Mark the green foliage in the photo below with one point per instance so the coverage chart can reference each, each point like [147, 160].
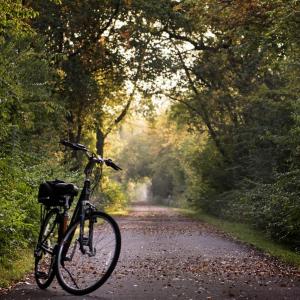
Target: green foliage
[21, 174]
[13, 269]
[27, 109]
[25, 84]
[151, 153]
[13, 17]
[47, 92]
[113, 198]
[272, 207]
[241, 88]
[19, 208]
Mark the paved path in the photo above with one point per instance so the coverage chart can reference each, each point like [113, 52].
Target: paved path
[168, 256]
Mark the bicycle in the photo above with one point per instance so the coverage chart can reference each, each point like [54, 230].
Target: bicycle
[83, 252]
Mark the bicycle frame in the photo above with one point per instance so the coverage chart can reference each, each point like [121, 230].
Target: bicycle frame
[80, 209]
[83, 203]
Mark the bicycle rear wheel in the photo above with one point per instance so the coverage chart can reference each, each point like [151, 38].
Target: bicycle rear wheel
[44, 253]
[80, 272]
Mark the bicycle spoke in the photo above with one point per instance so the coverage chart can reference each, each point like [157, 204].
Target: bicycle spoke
[74, 249]
[72, 278]
[103, 247]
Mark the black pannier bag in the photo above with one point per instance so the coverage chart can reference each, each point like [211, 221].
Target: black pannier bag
[56, 192]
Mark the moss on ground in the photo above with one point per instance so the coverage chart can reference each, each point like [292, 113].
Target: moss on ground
[14, 269]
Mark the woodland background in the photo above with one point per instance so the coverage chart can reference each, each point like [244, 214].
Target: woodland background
[199, 100]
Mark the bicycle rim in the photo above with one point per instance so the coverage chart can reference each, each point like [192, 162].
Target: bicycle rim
[81, 273]
[45, 251]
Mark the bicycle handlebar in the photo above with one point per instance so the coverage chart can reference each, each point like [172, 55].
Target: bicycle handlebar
[74, 146]
[91, 155]
[111, 164]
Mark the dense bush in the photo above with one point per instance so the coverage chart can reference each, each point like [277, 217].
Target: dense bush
[21, 175]
[113, 198]
[248, 191]
[18, 206]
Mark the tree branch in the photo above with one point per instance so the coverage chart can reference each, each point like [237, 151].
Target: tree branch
[185, 103]
[198, 45]
[203, 113]
[99, 34]
[127, 106]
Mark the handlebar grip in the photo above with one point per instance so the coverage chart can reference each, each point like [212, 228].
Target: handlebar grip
[111, 164]
[73, 146]
[66, 143]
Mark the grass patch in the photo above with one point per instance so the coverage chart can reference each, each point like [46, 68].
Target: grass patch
[120, 212]
[14, 270]
[248, 235]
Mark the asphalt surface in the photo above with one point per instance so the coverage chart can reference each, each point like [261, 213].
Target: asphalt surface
[168, 256]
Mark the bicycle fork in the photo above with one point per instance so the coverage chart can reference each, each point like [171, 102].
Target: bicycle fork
[83, 240]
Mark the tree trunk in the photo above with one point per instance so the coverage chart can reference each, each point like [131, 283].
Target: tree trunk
[100, 151]
[100, 140]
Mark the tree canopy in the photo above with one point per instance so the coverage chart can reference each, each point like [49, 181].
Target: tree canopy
[225, 139]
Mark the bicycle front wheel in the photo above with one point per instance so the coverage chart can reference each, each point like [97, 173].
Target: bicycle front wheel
[83, 266]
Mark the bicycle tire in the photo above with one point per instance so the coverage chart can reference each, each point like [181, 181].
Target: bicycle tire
[44, 270]
[98, 267]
